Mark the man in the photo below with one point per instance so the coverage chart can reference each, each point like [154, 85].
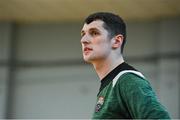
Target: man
[124, 92]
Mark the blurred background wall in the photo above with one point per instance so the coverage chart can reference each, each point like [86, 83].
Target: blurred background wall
[42, 73]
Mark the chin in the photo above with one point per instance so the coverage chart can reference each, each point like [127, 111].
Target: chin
[86, 59]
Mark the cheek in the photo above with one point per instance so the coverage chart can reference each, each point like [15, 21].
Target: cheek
[101, 41]
[102, 46]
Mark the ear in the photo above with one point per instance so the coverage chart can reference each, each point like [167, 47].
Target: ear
[117, 41]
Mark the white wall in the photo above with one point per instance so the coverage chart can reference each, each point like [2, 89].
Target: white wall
[169, 68]
[5, 36]
[59, 92]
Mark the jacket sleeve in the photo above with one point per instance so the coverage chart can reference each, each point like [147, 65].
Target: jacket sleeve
[139, 98]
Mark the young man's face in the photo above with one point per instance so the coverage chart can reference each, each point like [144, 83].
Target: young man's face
[95, 41]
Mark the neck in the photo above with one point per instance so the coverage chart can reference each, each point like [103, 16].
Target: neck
[105, 66]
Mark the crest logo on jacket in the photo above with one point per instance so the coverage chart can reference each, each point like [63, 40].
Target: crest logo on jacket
[99, 104]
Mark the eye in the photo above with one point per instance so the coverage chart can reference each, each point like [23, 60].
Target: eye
[82, 34]
[94, 33]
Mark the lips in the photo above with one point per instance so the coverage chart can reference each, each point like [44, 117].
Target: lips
[87, 50]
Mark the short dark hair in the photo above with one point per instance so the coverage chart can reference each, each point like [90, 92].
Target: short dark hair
[114, 24]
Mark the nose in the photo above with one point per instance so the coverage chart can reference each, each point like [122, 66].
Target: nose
[85, 39]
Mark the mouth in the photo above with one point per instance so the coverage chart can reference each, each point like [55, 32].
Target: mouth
[87, 50]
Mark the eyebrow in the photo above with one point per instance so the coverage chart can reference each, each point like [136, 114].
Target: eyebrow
[91, 29]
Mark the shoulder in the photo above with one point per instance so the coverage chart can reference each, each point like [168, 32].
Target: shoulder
[132, 78]
[129, 77]
[133, 82]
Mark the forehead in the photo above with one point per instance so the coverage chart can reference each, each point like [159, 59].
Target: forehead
[98, 24]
